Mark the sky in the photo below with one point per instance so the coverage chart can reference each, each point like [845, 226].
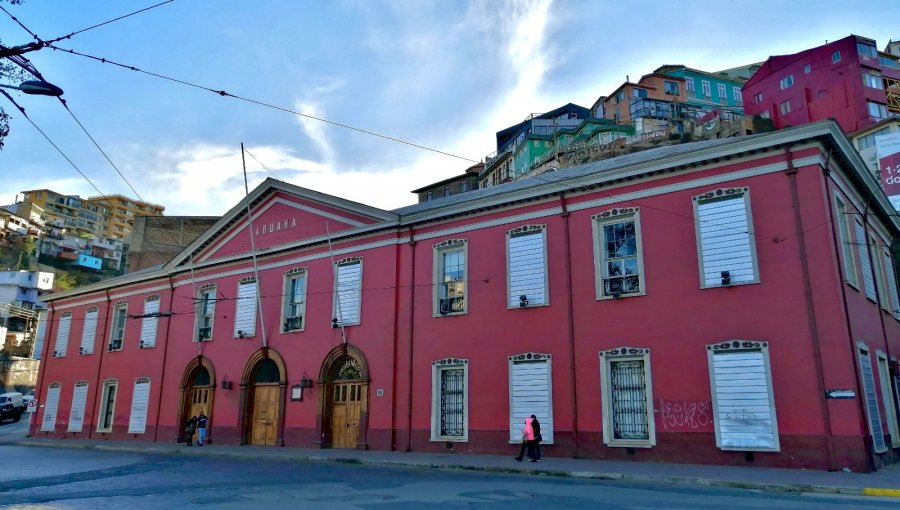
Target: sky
[446, 75]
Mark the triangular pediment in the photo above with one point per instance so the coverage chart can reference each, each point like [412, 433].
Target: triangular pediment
[281, 215]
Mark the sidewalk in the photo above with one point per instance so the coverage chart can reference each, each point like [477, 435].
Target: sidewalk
[884, 483]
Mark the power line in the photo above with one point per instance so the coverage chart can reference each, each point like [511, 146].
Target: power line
[68, 36]
[262, 165]
[223, 93]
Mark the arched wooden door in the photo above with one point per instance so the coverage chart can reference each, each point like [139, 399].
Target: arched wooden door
[348, 394]
[265, 403]
[198, 396]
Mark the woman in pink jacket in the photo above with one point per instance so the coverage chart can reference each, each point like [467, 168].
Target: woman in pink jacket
[527, 441]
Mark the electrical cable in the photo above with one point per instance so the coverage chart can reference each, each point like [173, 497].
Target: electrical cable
[223, 93]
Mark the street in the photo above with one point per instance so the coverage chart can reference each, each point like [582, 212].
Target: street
[67, 478]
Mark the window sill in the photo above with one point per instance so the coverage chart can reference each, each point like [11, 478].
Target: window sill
[621, 296]
[631, 444]
[517, 307]
[736, 284]
[454, 314]
[852, 285]
[449, 439]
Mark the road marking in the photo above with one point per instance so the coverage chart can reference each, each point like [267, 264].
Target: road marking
[891, 493]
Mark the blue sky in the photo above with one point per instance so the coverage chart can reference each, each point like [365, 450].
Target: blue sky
[442, 74]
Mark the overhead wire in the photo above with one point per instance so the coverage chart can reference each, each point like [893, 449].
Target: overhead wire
[224, 93]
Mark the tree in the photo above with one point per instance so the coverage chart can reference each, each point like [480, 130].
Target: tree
[29, 247]
[8, 72]
[65, 282]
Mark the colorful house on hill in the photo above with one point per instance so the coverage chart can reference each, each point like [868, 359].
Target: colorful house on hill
[847, 80]
[652, 96]
[709, 91]
[734, 298]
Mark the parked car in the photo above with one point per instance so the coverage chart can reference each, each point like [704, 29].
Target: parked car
[12, 405]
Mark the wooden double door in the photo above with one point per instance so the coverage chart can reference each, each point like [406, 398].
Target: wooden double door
[266, 409]
[348, 401]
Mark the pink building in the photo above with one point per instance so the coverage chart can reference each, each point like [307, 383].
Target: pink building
[727, 302]
[847, 80]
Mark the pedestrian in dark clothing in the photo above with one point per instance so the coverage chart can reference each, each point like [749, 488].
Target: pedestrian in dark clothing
[189, 430]
[536, 426]
[202, 420]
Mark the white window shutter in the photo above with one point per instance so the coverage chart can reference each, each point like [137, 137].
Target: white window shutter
[48, 423]
[79, 400]
[349, 278]
[527, 273]
[865, 262]
[894, 306]
[871, 401]
[62, 335]
[137, 424]
[89, 333]
[530, 394]
[743, 402]
[245, 316]
[149, 324]
[726, 242]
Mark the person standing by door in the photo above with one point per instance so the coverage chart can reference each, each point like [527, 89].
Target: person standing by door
[189, 428]
[202, 421]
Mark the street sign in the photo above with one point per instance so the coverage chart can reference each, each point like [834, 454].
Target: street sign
[840, 394]
[32, 406]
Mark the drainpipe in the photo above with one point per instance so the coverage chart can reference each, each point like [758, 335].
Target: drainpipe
[99, 394]
[570, 323]
[46, 351]
[839, 252]
[396, 343]
[162, 375]
[791, 173]
[412, 319]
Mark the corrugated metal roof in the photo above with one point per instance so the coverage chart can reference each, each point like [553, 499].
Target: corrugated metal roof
[594, 167]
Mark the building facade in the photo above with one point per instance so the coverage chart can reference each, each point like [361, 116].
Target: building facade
[121, 213]
[729, 301]
[455, 185]
[848, 80]
[69, 212]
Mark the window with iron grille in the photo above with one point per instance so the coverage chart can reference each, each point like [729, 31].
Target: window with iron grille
[627, 397]
[450, 401]
[450, 277]
[618, 253]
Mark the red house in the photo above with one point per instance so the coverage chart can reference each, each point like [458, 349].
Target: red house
[847, 80]
[731, 301]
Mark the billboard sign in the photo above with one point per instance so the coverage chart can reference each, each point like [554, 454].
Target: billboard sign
[887, 149]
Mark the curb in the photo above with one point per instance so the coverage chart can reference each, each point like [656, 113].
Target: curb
[782, 488]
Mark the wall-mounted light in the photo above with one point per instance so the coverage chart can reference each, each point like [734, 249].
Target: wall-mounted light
[297, 389]
[523, 301]
[226, 384]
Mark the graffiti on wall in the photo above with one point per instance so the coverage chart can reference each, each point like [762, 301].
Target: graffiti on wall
[684, 415]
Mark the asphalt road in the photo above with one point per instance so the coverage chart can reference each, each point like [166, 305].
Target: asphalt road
[35, 478]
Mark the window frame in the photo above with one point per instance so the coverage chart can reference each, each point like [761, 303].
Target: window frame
[786, 82]
[689, 84]
[337, 309]
[206, 309]
[722, 90]
[600, 220]
[437, 368]
[873, 413]
[512, 302]
[784, 107]
[706, 88]
[240, 304]
[150, 323]
[845, 237]
[735, 347]
[135, 408]
[546, 419]
[291, 275]
[722, 194]
[107, 408]
[737, 94]
[92, 318]
[607, 358]
[120, 310]
[836, 56]
[63, 324]
[438, 250]
[887, 397]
